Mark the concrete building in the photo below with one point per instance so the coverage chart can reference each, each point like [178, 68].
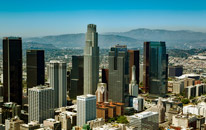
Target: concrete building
[133, 86]
[41, 103]
[30, 126]
[13, 124]
[12, 69]
[52, 124]
[96, 123]
[189, 82]
[178, 87]
[161, 110]
[91, 60]
[58, 82]
[105, 76]
[144, 121]
[86, 109]
[102, 93]
[76, 77]
[155, 68]
[187, 121]
[118, 73]
[67, 119]
[35, 68]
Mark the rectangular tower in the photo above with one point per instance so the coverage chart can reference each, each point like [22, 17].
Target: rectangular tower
[58, 82]
[91, 60]
[86, 109]
[77, 80]
[155, 68]
[41, 103]
[12, 69]
[118, 74]
[35, 68]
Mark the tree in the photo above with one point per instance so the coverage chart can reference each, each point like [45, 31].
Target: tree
[122, 119]
[185, 101]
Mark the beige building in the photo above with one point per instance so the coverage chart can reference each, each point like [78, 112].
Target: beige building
[13, 124]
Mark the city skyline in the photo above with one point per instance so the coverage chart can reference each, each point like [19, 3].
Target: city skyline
[55, 18]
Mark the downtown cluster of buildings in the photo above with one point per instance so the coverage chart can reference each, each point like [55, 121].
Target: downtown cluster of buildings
[87, 97]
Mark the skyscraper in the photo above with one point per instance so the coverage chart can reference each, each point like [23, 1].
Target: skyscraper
[118, 73]
[86, 109]
[35, 68]
[58, 82]
[105, 76]
[77, 80]
[133, 86]
[134, 60]
[41, 103]
[155, 68]
[12, 69]
[91, 60]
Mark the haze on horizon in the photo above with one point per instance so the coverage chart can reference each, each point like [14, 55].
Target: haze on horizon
[40, 18]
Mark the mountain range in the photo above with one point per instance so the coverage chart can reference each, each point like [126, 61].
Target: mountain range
[181, 39]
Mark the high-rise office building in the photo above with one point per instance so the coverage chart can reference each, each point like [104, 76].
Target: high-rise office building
[155, 68]
[76, 77]
[133, 86]
[118, 73]
[12, 69]
[86, 109]
[134, 60]
[35, 68]
[91, 60]
[175, 71]
[58, 82]
[41, 103]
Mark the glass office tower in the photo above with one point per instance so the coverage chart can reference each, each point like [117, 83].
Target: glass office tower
[155, 68]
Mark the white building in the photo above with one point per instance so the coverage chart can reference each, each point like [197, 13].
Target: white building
[86, 109]
[138, 104]
[133, 86]
[144, 121]
[58, 81]
[41, 103]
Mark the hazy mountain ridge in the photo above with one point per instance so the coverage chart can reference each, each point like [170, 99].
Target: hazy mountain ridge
[181, 39]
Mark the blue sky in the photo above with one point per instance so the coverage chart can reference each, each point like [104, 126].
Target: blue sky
[51, 17]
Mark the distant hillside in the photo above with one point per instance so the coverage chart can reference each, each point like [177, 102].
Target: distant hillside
[78, 40]
[182, 39]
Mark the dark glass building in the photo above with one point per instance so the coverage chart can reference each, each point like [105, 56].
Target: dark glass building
[134, 60]
[175, 71]
[105, 76]
[76, 77]
[12, 69]
[155, 68]
[118, 74]
[35, 68]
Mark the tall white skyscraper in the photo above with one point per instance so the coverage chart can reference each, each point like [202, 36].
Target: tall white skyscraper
[58, 81]
[91, 60]
[133, 86]
[41, 103]
[86, 109]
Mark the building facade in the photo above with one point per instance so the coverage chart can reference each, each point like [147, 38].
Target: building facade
[118, 73]
[58, 81]
[133, 86]
[12, 69]
[35, 68]
[91, 60]
[86, 109]
[155, 65]
[41, 103]
[134, 60]
[76, 77]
